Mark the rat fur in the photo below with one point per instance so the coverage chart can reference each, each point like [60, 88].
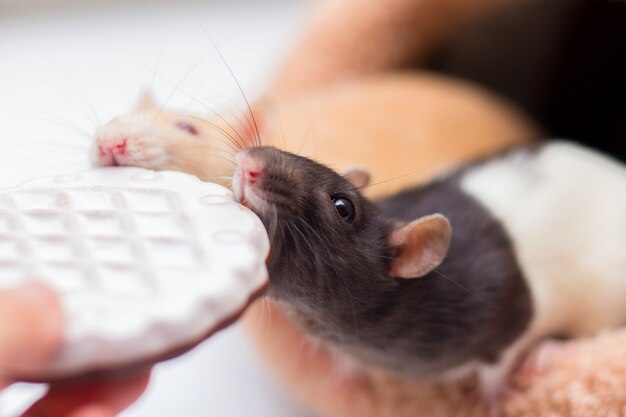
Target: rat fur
[495, 289]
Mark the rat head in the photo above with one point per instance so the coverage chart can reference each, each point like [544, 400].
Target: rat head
[155, 138]
[331, 247]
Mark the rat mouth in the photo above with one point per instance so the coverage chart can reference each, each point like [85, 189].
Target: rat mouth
[107, 160]
[253, 197]
[243, 193]
[115, 162]
[250, 199]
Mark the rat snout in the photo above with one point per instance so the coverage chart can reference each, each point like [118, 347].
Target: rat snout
[248, 176]
[112, 145]
[109, 148]
[266, 183]
[132, 141]
[250, 169]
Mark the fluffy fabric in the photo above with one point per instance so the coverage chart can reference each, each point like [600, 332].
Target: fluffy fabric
[580, 378]
[349, 38]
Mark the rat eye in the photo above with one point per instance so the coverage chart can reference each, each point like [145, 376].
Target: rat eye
[345, 208]
[187, 127]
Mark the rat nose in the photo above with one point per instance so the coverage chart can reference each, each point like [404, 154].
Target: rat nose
[251, 169]
[252, 175]
[112, 146]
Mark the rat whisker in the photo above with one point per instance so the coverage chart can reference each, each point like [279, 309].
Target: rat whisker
[52, 118]
[34, 147]
[237, 144]
[233, 147]
[156, 66]
[273, 223]
[225, 159]
[268, 311]
[92, 114]
[182, 80]
[184, 110]
[204, 161]
[53, 143]
[232, 73]
[227, 154]
[346, 289]
[229, 179]
[60, 160]
[57, 167]
[237, 140]
[373, 184]
[311, 252]
[304, 238]
[294, 239]
[318, 260]
[264, 311]
[240, 118]
[317, 235]
[280, 139]
[191, 97]
[344, 282]
[307, 136]
[459, 285]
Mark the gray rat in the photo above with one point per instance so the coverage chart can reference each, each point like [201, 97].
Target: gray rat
[461, 275]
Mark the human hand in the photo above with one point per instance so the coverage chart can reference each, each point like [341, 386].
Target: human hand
[31, 329]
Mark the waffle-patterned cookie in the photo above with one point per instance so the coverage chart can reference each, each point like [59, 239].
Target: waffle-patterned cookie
[147, 264]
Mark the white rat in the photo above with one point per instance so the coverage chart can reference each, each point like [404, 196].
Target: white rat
[159, 139]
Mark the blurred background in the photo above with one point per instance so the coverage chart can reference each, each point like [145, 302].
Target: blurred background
[67, 66]
[560, 61]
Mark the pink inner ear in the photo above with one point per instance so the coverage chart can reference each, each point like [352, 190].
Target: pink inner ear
[357, 176]
[146, 101]
[421, 245]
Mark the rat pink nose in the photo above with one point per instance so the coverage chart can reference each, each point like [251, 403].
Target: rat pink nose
[251, 170]
[252, 175]
[112, 146]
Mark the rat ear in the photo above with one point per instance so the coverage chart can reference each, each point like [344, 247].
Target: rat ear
[356, 175]
[146, 101]
[421, 246]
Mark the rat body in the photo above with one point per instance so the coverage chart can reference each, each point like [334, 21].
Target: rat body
[457, 276]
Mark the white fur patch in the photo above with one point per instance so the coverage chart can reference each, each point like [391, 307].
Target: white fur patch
[565, 209]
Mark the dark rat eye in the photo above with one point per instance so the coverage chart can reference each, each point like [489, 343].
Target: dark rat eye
[187, 127]
[345, 208]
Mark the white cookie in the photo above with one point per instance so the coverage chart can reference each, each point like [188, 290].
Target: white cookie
[146, 264]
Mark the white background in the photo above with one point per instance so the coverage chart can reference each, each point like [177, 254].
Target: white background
[67, 66]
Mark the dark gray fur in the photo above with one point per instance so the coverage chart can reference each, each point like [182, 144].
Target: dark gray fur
[332, 277]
